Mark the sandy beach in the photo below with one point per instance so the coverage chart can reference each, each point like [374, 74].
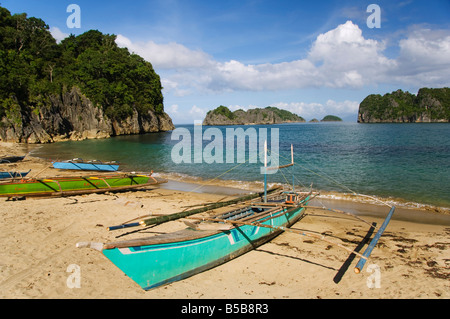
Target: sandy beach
[38, 238]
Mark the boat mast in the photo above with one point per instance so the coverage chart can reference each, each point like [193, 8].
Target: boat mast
[277, 167]
[265, 171]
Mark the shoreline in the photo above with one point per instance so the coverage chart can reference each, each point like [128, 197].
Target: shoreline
[183, 182]
[39, 238]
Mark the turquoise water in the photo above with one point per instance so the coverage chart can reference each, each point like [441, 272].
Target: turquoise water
[405, 161]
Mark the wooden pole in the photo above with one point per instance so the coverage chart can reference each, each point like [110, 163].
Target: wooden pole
[376, 238]
[265, 171]
[166, 218]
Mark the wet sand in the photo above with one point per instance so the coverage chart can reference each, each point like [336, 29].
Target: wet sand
[38, 238]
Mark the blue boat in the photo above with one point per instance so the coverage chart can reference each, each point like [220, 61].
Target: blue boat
[8, 175]
[79, 164]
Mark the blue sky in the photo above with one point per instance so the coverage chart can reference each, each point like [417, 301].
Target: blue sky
[310, 57]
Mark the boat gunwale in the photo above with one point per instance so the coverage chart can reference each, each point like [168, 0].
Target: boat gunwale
[199, 234]
[73, 178]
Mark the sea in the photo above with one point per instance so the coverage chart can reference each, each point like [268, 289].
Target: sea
[395, 163]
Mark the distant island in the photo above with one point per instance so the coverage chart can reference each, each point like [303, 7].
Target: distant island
[331, 118]
[269, 115]
[429, 105]
[84, 87]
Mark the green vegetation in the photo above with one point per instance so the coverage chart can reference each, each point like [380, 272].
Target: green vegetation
[331, 118]
[428, 105]
[285, 115]
[269, 115]
[223, 110]
[34, 67]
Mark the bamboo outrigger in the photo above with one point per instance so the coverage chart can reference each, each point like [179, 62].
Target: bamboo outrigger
[210, 240]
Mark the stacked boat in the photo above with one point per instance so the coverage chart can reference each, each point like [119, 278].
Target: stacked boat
[75, 185]
[11, 174]
[94, 165]
[15, 185]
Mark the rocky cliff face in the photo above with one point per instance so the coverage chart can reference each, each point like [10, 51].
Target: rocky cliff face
[269, 115]
[429, 105]
[72, 116]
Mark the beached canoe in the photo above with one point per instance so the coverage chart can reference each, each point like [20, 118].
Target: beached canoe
[68, 186]
[11, 159]
[162, 259]
[214, 238]
[7, 175]
[79, 164]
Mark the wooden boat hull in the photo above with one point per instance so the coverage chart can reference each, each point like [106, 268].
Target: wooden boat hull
[86, 166]
[67, 186]
[170, 259]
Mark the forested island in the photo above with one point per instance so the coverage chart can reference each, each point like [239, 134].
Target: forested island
[331, 118]
[269, 115]
[84, 87]
[429, 105]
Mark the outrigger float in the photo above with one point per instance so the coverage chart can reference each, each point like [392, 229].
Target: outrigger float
[212, 238]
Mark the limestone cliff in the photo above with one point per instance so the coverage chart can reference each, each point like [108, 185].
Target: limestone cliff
[269, 115]
[72, 116]
[429, 105]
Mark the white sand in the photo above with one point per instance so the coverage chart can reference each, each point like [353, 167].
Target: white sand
[38, 240]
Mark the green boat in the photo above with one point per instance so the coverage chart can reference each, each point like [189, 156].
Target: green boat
[77, 185]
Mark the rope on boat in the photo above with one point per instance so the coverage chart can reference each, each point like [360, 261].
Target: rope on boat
[325, 176]
[281, 228]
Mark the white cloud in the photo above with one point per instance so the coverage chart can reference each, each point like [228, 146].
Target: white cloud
[166, 56]
[424, 57]
[197, 113]
[339, 58]
[319, 110]
[58, 34]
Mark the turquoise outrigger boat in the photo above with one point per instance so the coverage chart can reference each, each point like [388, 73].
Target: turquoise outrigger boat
[209, 240]
[159, 260]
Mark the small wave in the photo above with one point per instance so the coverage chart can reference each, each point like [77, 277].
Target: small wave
[377, 200]
[258, 186]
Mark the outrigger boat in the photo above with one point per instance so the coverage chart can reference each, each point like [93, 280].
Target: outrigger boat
[94, 165]
[11, 175]
[11, 159]
[209, 240]
[69, 186]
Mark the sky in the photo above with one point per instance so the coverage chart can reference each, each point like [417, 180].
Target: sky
[312, 58]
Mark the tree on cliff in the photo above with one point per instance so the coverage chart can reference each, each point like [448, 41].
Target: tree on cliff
[33, 67]
[429, 105]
